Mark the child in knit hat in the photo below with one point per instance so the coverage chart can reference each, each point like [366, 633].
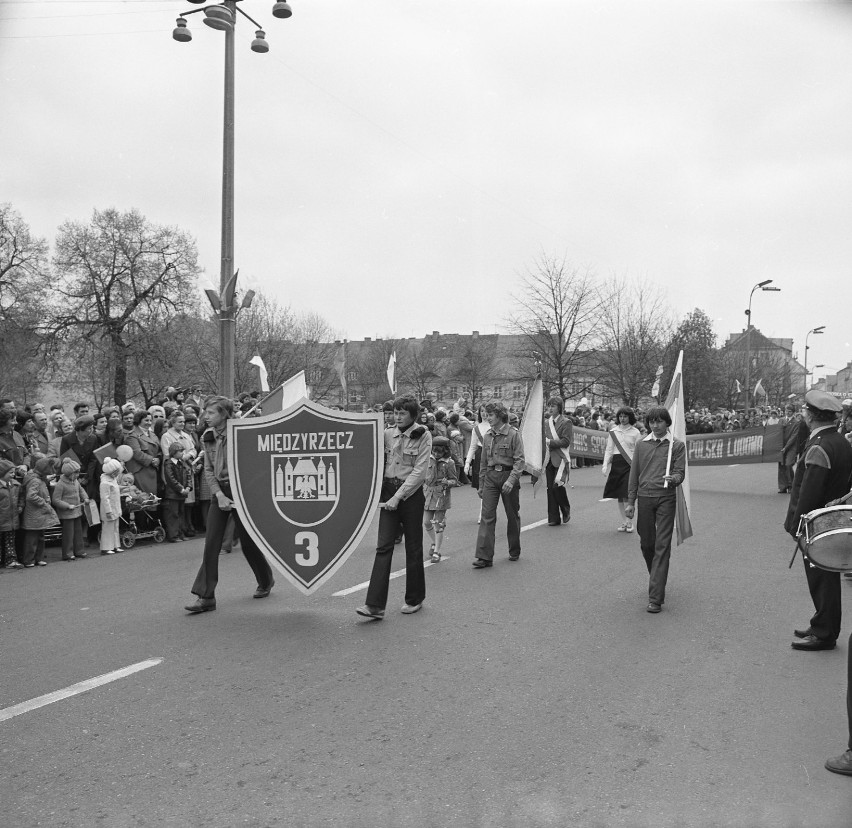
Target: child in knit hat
[38, 513]
[10, 510]
[110, 506]
[68, 499]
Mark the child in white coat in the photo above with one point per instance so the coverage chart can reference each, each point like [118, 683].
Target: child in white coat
[110, 507]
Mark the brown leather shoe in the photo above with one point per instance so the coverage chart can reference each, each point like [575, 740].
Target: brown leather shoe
[652, 607]
[263, 592]
[840, 764]
[201, 605]
[811, 642]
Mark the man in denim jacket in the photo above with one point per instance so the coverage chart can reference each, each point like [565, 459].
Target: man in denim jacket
[500, 468]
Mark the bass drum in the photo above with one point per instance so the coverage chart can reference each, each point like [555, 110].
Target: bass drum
[825, 538]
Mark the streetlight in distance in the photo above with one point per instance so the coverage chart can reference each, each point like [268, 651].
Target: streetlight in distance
[223, 17]
[759, 286]
[819, 330]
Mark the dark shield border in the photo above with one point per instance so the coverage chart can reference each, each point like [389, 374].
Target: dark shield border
[331, 416]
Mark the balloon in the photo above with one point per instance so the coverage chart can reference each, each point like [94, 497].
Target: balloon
[124, 453]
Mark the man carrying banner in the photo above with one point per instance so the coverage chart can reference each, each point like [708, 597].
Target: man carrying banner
[558, 432]
[658, 468]
[215, 441]
[408, 447]
[500, 468]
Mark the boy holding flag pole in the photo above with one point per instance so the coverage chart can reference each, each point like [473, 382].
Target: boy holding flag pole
[659, 481]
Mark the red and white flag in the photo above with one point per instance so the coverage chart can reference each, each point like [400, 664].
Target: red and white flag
[532, 435]
[674, 404]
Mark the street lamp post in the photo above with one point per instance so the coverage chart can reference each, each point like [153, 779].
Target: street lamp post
[223, 16]
[759, 286]
[819, 330]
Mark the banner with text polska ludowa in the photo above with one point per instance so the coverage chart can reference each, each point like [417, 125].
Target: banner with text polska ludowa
[754, 445]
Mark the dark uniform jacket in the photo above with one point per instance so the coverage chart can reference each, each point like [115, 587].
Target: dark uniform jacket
[823, 474]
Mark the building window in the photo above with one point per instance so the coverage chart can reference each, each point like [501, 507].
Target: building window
[517, 391]
[351, 376]
[454, 392]
[353, 397]
[498, 391]
[315, 376]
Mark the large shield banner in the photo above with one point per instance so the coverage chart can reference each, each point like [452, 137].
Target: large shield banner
[306, 483]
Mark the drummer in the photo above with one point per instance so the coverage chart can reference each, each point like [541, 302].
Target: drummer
[822, 475]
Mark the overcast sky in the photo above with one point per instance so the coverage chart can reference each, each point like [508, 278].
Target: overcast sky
[400, 163]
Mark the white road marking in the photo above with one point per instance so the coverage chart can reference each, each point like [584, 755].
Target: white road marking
[399, 572]
[75, 689]
[393, 575]
[534, 525]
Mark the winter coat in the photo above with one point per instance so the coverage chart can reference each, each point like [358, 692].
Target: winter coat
[110, 498]
[68, 498]
[177, 478]
[146, 449]
[38, 513]
[440, 478]
[11, 504]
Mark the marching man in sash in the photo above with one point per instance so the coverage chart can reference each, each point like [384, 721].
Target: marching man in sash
[558, 433]
[618, 456]
[408, 447]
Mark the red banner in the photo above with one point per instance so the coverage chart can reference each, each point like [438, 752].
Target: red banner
[754, 445]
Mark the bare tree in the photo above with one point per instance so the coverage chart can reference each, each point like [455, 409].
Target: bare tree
[474, 365]
[24, 276]
[114, 276]
[421, 365]
[635, 327]
[558, 309]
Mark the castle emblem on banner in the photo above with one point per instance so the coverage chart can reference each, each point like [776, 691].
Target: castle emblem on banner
[305, 478]
[305, 487]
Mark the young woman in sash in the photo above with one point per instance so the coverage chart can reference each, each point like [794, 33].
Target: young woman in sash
[617, 459]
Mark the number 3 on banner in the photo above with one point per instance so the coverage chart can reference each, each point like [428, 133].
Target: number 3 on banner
[310, 557]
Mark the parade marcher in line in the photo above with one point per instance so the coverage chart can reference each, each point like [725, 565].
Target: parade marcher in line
[500, 468]
[558, 433]
[440, 478]
[408, 447]
[623, 437]
[215, 441]
[822, 475]
[68, 499]
[474, 452]
[655, 491]
[38, 513]
[110, 508]
[11, 505]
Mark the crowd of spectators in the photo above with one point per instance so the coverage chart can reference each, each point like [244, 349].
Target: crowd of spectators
[164, 460]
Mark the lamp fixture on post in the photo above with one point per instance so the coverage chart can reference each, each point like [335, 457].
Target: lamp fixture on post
[819, 330]
[764, 285]
[223, 17]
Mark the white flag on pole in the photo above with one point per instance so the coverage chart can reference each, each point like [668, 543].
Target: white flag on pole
[674, 404]
[532, 434]
[264, 377]
[392, 373]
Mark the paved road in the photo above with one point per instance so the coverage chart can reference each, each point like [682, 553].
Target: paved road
[537, 693]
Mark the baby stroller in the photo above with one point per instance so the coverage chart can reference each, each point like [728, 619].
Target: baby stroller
[139, 520]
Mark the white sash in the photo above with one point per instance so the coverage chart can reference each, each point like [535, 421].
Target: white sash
[565, 465]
